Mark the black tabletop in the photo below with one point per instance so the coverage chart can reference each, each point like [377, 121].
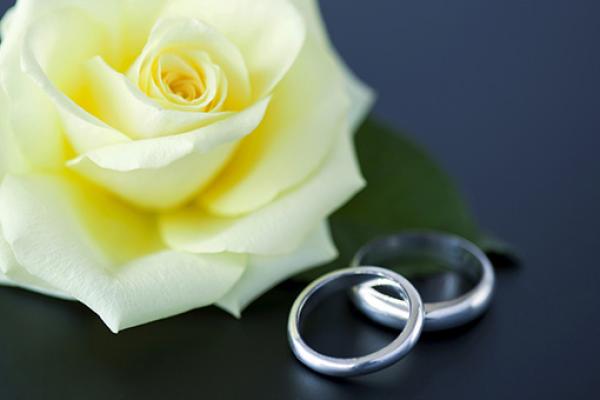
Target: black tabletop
[506, 94]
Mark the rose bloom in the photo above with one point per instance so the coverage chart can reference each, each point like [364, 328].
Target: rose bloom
[162, 155]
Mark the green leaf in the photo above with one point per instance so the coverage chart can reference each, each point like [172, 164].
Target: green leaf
[406, 190]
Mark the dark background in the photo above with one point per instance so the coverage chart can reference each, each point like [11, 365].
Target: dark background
[506, 94]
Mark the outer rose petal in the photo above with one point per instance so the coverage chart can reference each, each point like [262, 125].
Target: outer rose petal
[5, 281]
[278, 228]
[60, 233]
[128, 22]
[265, 272]
[84, 131]
[11, 158]
[23, 280]
[12, 274]
[269, 33]
[361, 96]
[35, 134]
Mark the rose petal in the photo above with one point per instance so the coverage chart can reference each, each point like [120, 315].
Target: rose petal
[7, 258]
[155, 173]
[278, 228]
[127, 23]
[264, 272]
[11, 157]
[6, 22]
[36, 134]
[361, 96]
[29, 282]
[12, 274]
[104, 254]
[268, 33]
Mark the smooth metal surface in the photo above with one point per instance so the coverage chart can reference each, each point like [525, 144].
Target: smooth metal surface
[454, 252]
[354, 366]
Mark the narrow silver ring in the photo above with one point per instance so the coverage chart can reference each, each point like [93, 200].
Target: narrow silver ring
[346, 278]
[454, 252]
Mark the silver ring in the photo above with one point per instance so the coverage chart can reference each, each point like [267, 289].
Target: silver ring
[346, 278]
[451, 251]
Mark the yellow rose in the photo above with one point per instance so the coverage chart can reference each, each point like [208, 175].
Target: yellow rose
[162, 155]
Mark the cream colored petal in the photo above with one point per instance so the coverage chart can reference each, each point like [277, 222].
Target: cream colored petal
[73, 237]
[61, 42]
[6, 22]
[278, 228]
[36, 134]
[5, 281]
[27, 12]
[117, 101]
[362, 97]
[84, 130]
[160, 152]
[33, 284]
[159, 188]
[264, 272]
[138, 19]
[7, 258]
[11, 156]
[12, 274]
[268, 33]
[165, 172]
[309, 108]
[184, 36]
[128, 22]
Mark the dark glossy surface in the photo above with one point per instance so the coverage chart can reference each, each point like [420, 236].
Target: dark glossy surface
[506, 95]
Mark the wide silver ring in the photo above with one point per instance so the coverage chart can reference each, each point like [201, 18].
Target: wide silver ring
[345, 367]
[453, 252]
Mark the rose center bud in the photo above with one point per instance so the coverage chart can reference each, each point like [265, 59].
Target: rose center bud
[187, 79]
[183, 86]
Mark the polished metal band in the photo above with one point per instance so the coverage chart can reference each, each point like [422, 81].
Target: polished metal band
[451, 251]
[358, 365]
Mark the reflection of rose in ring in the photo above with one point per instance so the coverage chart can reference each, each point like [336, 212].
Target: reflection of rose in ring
[162, 155]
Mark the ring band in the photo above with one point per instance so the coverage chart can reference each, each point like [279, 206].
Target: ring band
[350, 277]
[452, 251]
